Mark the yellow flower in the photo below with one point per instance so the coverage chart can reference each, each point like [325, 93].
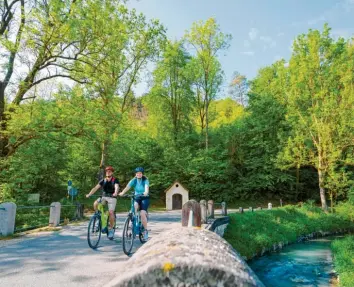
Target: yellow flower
[168, 266]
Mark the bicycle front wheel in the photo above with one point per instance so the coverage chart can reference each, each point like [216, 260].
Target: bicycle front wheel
[94, 231]
[128, 236]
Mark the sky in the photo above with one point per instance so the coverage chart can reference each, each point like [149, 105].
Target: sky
[262, 30]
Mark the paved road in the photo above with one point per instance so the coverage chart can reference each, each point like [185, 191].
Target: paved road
[64, 258]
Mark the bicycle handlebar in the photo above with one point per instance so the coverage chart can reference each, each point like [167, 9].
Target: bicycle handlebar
[136, 196]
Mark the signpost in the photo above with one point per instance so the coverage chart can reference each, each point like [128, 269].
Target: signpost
[72, 191]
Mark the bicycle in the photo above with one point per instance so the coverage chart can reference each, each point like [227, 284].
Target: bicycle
[132, 227]
[97, 225]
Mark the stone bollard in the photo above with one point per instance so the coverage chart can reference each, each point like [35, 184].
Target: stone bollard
[203, 211]
[281, 202]
[223, 208]
[211, 208]
[54, 217]
[191, 214]
[269, 205]
[251, 209]
[7, 218]
[240, 209]
[79, 211]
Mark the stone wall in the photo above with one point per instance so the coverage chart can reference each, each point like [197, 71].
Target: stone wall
[186, 257]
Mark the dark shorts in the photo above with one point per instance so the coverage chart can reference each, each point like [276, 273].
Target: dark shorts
[143, 203]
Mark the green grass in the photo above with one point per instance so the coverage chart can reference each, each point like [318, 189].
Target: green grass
[343, 250]
[257, 202]
[250, 232]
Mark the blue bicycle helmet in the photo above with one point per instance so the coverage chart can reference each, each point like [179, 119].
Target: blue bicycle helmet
[139, 169]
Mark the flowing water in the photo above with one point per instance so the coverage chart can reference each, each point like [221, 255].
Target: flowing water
[302, 264]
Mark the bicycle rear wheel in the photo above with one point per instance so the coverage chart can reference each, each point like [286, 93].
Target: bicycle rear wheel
[94, 231]
[128, 236]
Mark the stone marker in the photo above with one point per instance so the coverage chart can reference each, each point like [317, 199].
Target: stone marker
[7, 218]
[203, 211]
[54, 217]
[223, 208]
[193, 206]
[211, 208]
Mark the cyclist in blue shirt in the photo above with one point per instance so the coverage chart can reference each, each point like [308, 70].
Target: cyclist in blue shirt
[140, 183]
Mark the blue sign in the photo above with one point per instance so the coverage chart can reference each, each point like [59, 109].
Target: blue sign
[73, 191]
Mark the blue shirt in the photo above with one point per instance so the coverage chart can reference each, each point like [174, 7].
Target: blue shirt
[139, 185]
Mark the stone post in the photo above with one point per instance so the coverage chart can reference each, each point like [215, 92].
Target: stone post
[79, 211]
[7, 218]
[240, 209]
[191, 209]
[223, 208]
[203, 211]
[269, 205]
[211, 208]
[54, 217]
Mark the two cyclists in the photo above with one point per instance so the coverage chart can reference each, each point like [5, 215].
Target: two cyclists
[110, 186]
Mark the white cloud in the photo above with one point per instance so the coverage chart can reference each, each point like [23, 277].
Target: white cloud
[248, 53]
[269, 42]
[281, 34]
[246, 43]
[253, 33]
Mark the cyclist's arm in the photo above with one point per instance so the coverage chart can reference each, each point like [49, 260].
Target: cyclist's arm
[125, 190]
[97, 187]
[116, 189]
[146, 192]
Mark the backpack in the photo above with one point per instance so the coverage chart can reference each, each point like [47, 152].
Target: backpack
[113, 179]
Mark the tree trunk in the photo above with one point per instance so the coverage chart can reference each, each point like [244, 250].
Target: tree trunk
[321, 178]
[206, 125]
[297, 182]
[103, 159]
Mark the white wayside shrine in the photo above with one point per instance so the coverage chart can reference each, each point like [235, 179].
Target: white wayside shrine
[176, 196]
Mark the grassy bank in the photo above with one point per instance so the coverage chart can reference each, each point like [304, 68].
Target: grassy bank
[343, 251]
[251, 232]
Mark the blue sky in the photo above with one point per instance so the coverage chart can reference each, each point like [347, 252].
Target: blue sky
[262, 30]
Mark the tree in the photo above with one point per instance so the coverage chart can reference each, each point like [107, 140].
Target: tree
[238, 88]
[321, 99]
[207, 40]
[171, 95]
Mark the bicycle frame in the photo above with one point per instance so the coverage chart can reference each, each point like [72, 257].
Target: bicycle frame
[136, 219]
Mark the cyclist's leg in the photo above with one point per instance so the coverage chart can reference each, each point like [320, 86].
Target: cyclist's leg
[143, 213]
[97, 201]
[95, 204]
[112, 202]
[137, 205]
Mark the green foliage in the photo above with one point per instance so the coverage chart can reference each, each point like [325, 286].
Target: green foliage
[343, 250]
[295, 121]
[250, 232]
